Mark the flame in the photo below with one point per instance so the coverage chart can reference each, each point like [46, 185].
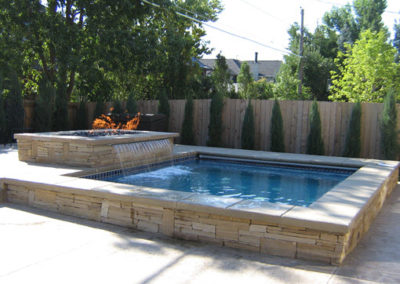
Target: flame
[105, 122]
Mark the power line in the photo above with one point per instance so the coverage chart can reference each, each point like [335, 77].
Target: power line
[263, 11]
[222, 30]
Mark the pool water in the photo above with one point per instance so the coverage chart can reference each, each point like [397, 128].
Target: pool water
[287, 185]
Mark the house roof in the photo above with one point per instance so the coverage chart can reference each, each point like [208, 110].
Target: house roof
[233, 65]
[266, 68]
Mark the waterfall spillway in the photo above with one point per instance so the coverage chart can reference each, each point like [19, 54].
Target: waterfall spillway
[143, 152]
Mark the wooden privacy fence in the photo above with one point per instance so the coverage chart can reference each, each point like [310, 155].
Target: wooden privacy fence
[335, 117]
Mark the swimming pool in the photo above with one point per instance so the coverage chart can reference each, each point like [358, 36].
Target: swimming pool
[277, 183]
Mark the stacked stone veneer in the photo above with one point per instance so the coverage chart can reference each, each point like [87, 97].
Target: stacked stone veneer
[90, 152]
[232, 228]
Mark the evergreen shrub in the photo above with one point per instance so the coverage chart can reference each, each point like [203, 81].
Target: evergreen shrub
[276, 133]
[315, 144]
[353, 138]
[389, 131]
[248, 130]
[187, 133]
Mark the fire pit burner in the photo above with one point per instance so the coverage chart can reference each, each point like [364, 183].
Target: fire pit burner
[99, 132]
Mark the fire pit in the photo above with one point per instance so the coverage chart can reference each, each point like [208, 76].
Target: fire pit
[109, 148]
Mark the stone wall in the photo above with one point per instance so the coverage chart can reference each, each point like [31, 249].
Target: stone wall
[226, 228]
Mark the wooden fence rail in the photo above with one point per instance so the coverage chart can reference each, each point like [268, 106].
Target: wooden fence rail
[335, 118]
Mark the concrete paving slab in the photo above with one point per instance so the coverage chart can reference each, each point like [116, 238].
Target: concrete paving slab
[45, 247]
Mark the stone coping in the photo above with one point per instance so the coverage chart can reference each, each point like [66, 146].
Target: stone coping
[335, 212]
[63, 136]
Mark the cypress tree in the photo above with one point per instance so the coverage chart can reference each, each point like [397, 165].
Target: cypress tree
[14, 106]
[60, 115]
[163, 104]
[276, 133]
[3, 121]
[187, 134]
[389, 127]
[117, 108]
[247, 137]
[215, 125]
[43, 111]
[353, 138]
[221, 80]
[81, 116]
[99, 109]
[315, 144]
[131, 105]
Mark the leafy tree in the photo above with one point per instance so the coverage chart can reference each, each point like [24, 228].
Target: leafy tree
[245, 80]
[353, 137]
[396, 40]
[131, 105]
[367, 71]
[276, 133]
[315, 144]
[96, 47]
[343, 22]
[390, 147]
[369, 14]
[248, 130]
[187, 133]
[81, 116]
[263, 90]
[221, 79]
[43, 107]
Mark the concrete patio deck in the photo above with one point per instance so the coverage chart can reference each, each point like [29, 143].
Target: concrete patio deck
[44, 247]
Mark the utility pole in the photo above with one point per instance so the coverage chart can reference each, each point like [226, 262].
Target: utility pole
[301, 52]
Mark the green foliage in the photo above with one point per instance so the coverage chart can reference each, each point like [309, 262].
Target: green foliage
[98, 47]
[248, 129]
[315, 144]
[353, 138]
[60, 114]
[263, 89]
[215, 126]
[245, 80]
[13, 105]
[43, 111]
[368, 70]
[396, 40]
[276, 134]
[131, 105]
[369, 14]
[81, 116]
[389, 132]
[187, 133]
[163, 104]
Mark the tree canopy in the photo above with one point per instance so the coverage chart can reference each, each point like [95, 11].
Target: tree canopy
[104, 49]
[367, 70]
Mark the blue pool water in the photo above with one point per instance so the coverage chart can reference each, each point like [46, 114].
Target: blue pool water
[295, 186]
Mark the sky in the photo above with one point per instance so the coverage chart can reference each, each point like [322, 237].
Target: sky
[267, 22]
